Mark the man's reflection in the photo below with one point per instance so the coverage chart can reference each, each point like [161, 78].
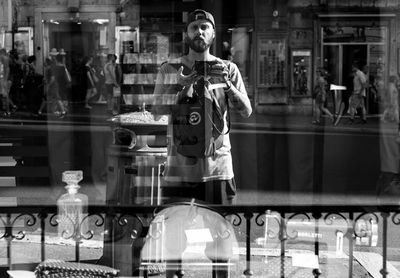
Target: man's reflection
[198, 166]
[199, 162]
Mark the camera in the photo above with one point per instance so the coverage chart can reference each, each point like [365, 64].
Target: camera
[204, 67]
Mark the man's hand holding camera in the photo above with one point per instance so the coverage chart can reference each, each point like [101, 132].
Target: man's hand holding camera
[186, 80]
[211, 69]
[184, 83]
[219, 70]
[203, 69]
[216, 69]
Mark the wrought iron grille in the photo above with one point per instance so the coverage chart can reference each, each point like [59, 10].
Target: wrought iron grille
[243, 218]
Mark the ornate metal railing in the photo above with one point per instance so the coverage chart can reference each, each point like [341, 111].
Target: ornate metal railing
[281, 226]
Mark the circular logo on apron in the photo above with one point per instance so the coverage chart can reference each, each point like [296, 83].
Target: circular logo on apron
[194, 118]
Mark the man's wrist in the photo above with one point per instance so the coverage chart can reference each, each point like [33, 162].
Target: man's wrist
[228, 87]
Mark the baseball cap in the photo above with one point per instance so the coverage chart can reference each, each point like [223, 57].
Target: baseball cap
[198, 15]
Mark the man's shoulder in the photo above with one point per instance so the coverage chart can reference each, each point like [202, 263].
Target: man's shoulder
[361, 73]
[230, 64]
[227, 62]
[172, 61]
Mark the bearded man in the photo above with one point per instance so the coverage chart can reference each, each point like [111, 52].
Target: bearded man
[209, 178]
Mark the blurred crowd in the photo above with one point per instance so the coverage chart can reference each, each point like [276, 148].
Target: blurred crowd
[51, 91]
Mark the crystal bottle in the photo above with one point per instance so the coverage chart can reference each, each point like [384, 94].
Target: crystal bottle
[72, 208]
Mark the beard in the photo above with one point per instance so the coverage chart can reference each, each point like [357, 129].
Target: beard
[198, 45]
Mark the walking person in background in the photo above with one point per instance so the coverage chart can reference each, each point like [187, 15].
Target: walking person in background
[117, 94]
[320, 97]
[359, 92]
[16, 77]
[53, 54]
[5, 82]
[68, 81]
[110, 80]
[51, 96]
[63, 81]
[3, 76]
[373, 96]
[226, 51]
[344, 104]
[89, 81]
[24, 92]
[33, 86]
[391, 102]
[98, 66]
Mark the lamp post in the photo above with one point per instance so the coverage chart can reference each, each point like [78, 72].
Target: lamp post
[14, 23]
[12, 20]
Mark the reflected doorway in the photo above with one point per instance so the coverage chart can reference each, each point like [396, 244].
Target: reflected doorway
[338, 60]
[355, 40]
[78, 39]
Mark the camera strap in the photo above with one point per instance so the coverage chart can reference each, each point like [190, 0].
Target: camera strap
[216, 86]
[217, 108]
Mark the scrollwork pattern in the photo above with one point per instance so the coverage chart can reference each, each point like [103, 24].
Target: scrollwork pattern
[271, 233]
[396, 218]
[31, 219]
[303, 217]
[53, 220]
[87, 235]
[234, 218]
[30, 222]
[330, 218]
[360, 224]
[259, 220]
[71, 233]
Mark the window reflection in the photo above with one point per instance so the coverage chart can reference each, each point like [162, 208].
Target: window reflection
[80, 88]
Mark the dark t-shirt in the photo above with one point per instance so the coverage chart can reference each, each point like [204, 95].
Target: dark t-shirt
[86, 82]
[52, 92]
[61, 79]
[16, 74]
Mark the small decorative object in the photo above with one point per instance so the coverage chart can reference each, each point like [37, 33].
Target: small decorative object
[72, 207]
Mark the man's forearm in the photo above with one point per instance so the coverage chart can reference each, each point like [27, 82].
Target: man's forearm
[240, 101]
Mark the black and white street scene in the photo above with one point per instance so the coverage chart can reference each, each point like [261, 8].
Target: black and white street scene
[199, 138]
